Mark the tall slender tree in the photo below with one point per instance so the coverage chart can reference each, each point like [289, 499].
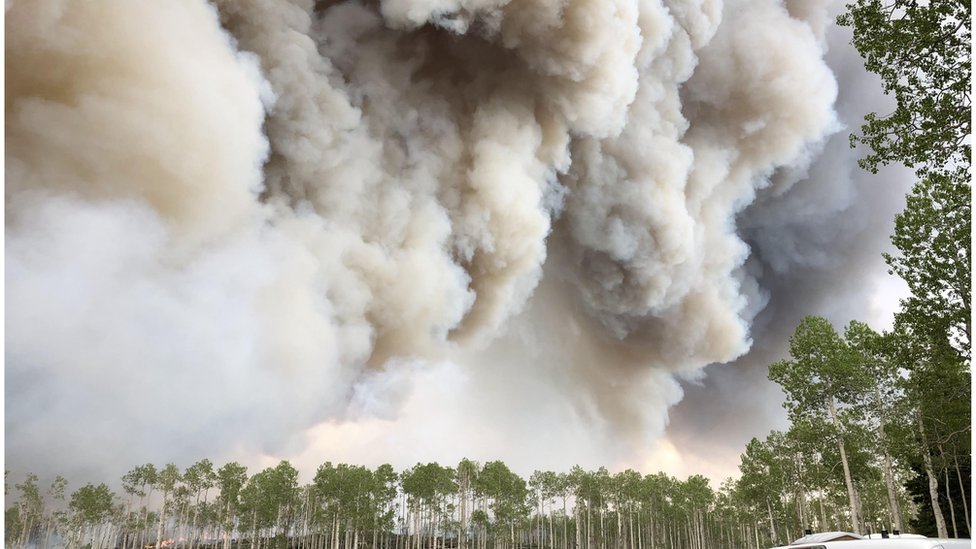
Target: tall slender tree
[230, 480]
[31, 509]
[822, 375]
[91, 508]
[167, 481]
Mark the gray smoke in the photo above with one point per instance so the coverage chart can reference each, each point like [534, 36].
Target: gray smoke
[395, 230]
[816, 250]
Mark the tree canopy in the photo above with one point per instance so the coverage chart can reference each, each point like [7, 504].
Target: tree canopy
[921, 51]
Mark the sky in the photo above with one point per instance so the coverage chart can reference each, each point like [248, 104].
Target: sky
[551, 233]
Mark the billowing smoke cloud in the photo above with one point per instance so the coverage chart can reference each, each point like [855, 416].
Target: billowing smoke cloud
[305, 229]
[815, 250]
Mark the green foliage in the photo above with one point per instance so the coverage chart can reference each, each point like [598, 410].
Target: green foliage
[30, 503]
[12, 526]
[429, 482]
[352, 493]
[697, 492]
[230, 480]
[270, 496]
[56, 491]
[933, 238]
[627, 510]
[506, 490]
[921, 50]
[875, 393]
[167, 477]
[200, 476]
[924, 523]
[137, 480]
[822, 369]
[92, 505]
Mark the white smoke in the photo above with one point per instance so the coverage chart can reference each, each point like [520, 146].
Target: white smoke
[228, 223]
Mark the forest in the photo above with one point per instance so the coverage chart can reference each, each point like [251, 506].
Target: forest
[789, 482]
[880, 433]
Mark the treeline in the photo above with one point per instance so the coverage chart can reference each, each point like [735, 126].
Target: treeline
[429, 506]
[866, 430]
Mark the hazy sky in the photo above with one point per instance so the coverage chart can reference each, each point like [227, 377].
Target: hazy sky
[551, 233]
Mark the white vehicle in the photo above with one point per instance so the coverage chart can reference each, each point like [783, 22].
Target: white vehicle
[847, 540]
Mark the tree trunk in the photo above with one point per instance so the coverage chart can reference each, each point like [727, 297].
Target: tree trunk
[485, 532]
[933, 480]
[589, 525]
[801, 506]
[651, 521]
[226, 525]
[511, 527]
[335, 530]
[952, 508]
[772, 526]
[193, 524]
[701, 529]
[576, 512]
[856, 520]
[565, 525]
[962, 489]
[823, 514]
[144, 521]
[162, 517]
[630, 529]
[602, 530]
[50, 532]
[25, 535]
[416, 527]
[640, 544]
[463, 526]
[181, 520]
[893, 506]
[552, 531]
[620, 537]
[254, 529]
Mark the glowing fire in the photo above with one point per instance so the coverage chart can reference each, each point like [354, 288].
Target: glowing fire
[164, 543]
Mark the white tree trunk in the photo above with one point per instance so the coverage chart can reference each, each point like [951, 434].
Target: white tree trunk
[552, 530]
[620, 537]
[576, 512]
[823, 513]
[226, 526]
[463, 527]
[772, 526]
[952, 508]
[565, 525]
[962, 488]
[640, 531]
[933, 480]
[856, 520]
[162, 517]
[893, 506]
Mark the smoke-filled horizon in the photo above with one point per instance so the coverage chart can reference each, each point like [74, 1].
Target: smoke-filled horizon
[408, 230]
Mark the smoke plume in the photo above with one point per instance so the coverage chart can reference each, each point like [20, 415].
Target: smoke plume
[433, 228]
